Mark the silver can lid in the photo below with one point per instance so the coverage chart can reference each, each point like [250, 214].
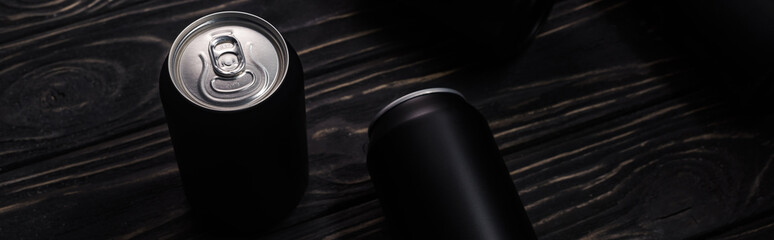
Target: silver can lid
[228, 61]
[410, 96]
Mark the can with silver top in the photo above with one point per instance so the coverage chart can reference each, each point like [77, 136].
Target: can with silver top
[232, 91]
[438, 172]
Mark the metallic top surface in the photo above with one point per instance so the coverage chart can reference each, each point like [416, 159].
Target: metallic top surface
[412, 95]
[228, 61]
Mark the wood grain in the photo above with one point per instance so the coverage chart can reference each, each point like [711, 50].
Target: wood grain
[19, 19]
[601, 121]
[670, 171]
[131, 179]
[760, 228]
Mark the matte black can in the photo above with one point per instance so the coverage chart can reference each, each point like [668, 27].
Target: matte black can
[438, 172]
[232, 91]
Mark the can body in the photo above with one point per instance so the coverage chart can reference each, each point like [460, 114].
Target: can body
[243, 168]
[439, 174]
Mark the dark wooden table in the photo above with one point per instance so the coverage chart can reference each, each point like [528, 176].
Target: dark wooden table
[605, 124]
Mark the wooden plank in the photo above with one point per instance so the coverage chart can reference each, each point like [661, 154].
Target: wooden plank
[19, 19]
[118, 188]
[756, 228]
[592, 84]
[671, 171]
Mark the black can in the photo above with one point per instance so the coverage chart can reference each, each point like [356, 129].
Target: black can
[232, 91]
[438, 172]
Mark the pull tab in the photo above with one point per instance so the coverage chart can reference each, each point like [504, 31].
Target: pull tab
[226, 55]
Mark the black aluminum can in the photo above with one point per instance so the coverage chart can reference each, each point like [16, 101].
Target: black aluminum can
[438, 172]
[232, 91]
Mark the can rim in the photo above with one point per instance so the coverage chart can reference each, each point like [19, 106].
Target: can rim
[201, 22]
[410, 96]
